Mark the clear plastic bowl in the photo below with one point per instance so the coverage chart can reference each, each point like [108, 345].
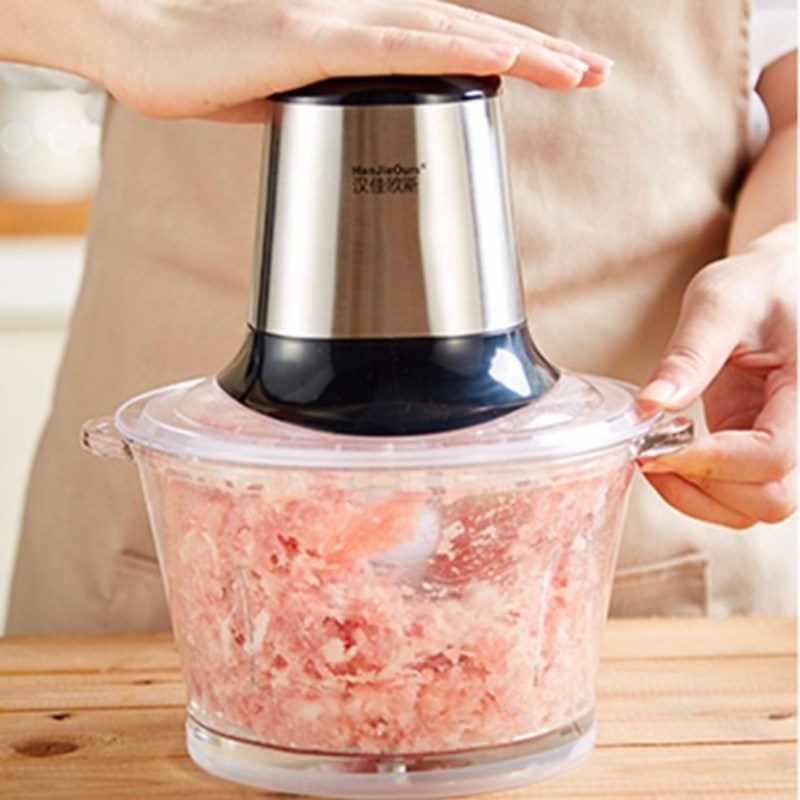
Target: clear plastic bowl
[421, 620]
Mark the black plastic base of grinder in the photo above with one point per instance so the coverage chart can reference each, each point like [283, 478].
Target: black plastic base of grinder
[388, 387]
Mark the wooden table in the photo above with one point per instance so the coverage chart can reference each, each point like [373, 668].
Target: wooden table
[43, 218]
[688, 708]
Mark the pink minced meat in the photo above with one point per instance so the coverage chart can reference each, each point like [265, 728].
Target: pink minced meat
[318, 616]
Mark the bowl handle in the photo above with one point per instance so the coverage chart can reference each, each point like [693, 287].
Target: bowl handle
[669, 436]
[100, 437]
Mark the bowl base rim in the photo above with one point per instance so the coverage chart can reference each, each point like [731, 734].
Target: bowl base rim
[368, 777]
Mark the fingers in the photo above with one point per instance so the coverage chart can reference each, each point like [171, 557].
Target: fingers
[592, 79]
[762, 455]
[738, 477]
[346, 50]
[546, 66]
[734, 399]
[691, 500]
[771, 502]
[707, 333]
[736, 505]
[598, 64]
[741, 456]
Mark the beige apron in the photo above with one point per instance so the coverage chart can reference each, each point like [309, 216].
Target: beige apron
[620, 196]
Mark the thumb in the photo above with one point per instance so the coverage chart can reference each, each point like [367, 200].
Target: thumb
[709, 329]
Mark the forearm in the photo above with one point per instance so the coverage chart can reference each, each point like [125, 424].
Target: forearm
[62, 34]
[768, 198]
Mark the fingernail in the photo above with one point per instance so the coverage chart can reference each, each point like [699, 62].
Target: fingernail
[599, 63]
[574, 63]
[659, 391]
[508, 54]
[562, 61]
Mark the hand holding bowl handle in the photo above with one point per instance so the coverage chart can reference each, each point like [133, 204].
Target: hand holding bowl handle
[735, 346]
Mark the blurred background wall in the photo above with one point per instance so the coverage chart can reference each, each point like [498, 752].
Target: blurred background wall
[49, 143]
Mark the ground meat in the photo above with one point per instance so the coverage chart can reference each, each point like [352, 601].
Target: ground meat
[388, 613]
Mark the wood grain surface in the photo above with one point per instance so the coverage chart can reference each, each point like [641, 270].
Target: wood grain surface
[693, 708]
[43, 218]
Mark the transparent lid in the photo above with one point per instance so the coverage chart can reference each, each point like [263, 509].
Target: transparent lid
[580, 415]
